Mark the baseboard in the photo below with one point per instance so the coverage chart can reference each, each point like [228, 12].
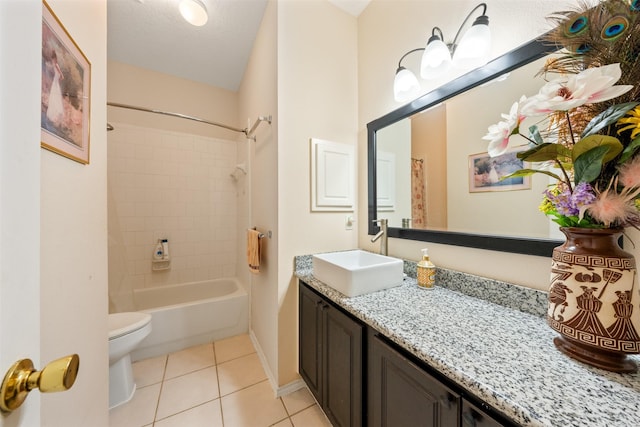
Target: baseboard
[290, 388]
[278, 391]
[263, 360]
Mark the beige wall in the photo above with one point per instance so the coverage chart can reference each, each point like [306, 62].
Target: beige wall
[387, 145]
[149, 89]
[381, 42]
[258, 97]
[74, 242]
[476, 113]
[317, 98]
[285, 78]
[429, 143]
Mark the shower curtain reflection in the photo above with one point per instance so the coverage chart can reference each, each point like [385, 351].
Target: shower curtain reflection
[418, 201]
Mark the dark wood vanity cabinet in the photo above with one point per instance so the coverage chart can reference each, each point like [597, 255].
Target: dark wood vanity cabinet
[399, 393]
[360, 378]
[330, 358]
[472, 416]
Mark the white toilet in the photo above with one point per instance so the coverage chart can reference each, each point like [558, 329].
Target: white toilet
[126, 331]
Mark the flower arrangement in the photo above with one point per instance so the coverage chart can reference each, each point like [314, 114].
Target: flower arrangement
[588, 135]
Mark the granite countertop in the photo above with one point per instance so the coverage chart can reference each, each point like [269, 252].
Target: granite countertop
[492, 339]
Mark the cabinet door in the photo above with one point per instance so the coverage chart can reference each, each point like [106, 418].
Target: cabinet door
[310, 340]
[401, 394]
[342, 353]
[472, 416]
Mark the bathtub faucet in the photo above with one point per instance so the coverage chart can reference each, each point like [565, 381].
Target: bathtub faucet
[382, 235]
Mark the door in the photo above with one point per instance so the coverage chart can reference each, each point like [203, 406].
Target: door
[20, 59]
[342, 365]
[472, 416]
[403, 394]
[310, 341]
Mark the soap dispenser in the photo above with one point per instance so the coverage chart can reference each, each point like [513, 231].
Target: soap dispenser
[426, 271]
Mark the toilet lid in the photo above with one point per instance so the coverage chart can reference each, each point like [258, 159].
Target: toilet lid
[125, 323]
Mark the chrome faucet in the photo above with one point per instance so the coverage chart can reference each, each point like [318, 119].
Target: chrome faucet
[382, 235]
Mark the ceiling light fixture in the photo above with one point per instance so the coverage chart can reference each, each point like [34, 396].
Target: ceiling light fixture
[438, 57]
[194, 12]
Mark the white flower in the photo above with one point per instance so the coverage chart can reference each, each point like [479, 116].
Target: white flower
[587, 87]
[499, 133]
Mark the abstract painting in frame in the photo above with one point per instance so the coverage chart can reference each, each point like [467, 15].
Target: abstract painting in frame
[66, 87]
[486, 173]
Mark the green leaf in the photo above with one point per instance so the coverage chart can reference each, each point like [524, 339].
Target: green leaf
[587, 166]
[534, 133]
[529, 172]
[545, 152]
[613, 144]
[607, 117]
[629, 150]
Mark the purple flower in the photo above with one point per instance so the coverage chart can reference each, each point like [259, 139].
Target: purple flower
[572, 204]
[583, 195]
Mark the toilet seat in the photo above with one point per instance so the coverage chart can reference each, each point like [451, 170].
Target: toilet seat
[125, 323]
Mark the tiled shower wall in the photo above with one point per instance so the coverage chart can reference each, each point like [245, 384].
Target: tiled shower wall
[169, 185]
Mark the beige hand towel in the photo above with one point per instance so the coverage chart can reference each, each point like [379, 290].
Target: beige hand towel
[253, 250]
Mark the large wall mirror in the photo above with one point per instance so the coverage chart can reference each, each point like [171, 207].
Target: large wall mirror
[430, 176]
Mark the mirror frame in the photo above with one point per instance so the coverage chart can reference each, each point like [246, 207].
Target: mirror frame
[516, 58]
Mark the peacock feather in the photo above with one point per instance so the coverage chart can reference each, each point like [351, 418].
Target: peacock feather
[594, 36]
[600, 35]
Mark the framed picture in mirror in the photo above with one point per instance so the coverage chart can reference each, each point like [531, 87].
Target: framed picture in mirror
[490, 173]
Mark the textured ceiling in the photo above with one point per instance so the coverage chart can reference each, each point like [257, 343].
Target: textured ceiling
[151, 34]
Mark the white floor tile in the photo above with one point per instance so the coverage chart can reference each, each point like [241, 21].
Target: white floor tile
[310, 417]
[253, 406]
[206, 415]
[187, 391]
[189, 360]
[149, 371]
[139, 411]
[183, 389]
[298, 400]
[239, 373]
[232, 348]
[284, 423]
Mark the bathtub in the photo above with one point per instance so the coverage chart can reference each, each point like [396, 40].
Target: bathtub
[190, 314]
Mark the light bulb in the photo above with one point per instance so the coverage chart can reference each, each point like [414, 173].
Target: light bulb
[474, 47]
[194, 12]
[405, 85]
[436, 59]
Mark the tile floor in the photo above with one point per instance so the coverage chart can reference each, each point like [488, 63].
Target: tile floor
[221, 384]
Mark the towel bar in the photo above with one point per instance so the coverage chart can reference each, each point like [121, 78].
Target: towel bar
[262, 235]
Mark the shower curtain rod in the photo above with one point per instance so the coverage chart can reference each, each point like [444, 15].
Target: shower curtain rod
[248, 133]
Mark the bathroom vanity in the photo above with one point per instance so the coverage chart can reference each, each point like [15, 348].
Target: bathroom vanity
[470, 352]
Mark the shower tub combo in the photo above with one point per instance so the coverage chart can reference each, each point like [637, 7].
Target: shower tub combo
[190, 314]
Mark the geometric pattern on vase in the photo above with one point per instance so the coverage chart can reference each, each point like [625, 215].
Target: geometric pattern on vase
[591, 300]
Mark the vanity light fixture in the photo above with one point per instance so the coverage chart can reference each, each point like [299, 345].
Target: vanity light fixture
[194, 12]
[438, 57]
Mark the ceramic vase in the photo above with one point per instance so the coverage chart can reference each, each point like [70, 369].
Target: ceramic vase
[594, 301]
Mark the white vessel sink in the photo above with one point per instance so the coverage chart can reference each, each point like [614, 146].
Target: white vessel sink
[357, 272]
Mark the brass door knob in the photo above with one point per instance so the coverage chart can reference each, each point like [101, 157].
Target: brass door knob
[22, 377]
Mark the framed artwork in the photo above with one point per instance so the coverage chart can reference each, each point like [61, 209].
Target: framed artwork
[485, 172]
[66, 90]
